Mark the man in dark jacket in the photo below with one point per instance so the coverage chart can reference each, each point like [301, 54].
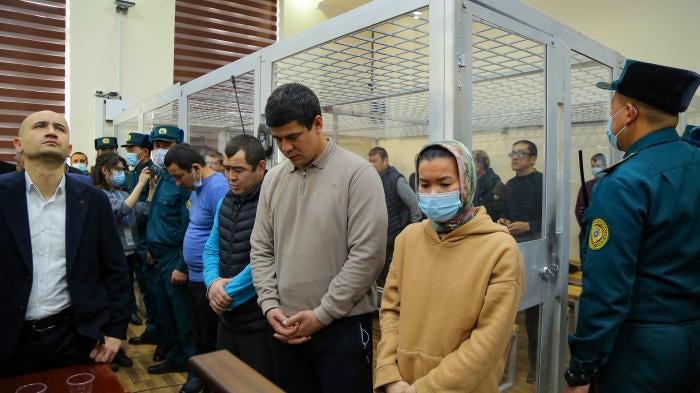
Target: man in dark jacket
[490, 191]
[401, 203]
[65, 294]
[227, 276]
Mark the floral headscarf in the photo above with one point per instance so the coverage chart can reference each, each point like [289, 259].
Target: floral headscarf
[467, 183]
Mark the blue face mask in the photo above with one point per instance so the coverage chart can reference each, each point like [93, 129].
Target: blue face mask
[597, 172]
[612, 137]
[440, 207]
[131, 159]
[81, 166]
[118, 178]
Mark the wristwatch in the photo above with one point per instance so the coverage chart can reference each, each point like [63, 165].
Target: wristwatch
[576, 379]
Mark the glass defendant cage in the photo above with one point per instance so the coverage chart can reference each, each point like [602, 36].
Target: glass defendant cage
[399, 73]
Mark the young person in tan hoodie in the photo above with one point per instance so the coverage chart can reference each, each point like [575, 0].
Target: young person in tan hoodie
[453, 288]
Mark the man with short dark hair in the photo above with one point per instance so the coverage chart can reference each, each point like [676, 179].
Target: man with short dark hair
[318, 245]
[78, 162]
[243, 329]
[598, 166]
[64, 293]
[490, 191]
[187, 166]
[401, 203]
[638, 328]
[168, 219]
[523, 218]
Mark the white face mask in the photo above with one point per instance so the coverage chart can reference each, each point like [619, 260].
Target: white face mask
[158, 157]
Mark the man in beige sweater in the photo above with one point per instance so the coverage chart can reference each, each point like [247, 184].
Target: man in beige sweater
[318, 245]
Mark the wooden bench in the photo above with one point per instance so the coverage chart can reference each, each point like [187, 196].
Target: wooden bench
[224, 373]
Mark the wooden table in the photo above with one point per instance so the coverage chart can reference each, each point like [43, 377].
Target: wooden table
[105, 380]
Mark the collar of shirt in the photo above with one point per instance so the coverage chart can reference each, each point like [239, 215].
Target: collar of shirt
[321, 160]
[654, 138]
[31, 187]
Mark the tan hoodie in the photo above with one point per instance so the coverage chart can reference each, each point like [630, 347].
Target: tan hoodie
[449, 306]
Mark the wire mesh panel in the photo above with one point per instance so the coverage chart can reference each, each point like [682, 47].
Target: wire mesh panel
[372, 84]
[164, 115]
[122, 129]
[508, 79]
[214, 116]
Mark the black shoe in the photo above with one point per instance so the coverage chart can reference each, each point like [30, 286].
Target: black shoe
[164, 368]
[159, 354]
[122, 360]
[143, 339]
[135, 320]
[114, 366]
[193, 385]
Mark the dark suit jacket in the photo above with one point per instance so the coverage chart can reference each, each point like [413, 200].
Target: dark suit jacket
[97, 272]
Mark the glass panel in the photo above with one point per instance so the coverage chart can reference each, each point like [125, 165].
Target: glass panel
[122, 129]
[509, 104]
[213, 113]
[590, 107]
[589, 114]
[693, 113]
[164, 115]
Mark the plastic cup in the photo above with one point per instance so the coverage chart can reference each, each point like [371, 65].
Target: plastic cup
[32, 388]
[80, 383]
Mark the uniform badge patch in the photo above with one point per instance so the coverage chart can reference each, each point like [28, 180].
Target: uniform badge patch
[599, 234]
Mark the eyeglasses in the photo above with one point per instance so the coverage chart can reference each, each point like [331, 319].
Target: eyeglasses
[518, 154]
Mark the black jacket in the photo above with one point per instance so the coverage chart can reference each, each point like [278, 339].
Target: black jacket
[236, 220]
[97, 274]
[491, 193]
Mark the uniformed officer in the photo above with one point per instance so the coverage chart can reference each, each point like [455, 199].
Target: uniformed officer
[638, 327]
[167, 223]
[138, 156]
[106, 144]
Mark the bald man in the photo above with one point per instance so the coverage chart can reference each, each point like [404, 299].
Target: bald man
[65, 289]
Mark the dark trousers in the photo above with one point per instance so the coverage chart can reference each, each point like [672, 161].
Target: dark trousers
[532, 326]
[204, 320]
[174, 309]
[338, 359]
[254, 348]
[131, 262]
[59, 346]
[653, 358]
[146, 277]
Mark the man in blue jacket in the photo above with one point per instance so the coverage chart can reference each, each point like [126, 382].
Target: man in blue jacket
[242, 327]
[187, 166]
[638, 327]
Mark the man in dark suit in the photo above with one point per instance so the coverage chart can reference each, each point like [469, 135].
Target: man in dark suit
[65, 282]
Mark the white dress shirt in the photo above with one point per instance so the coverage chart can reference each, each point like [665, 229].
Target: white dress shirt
[47, 227]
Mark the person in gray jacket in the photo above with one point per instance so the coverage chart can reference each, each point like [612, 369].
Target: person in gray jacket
[109, 175]
[318, 245]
